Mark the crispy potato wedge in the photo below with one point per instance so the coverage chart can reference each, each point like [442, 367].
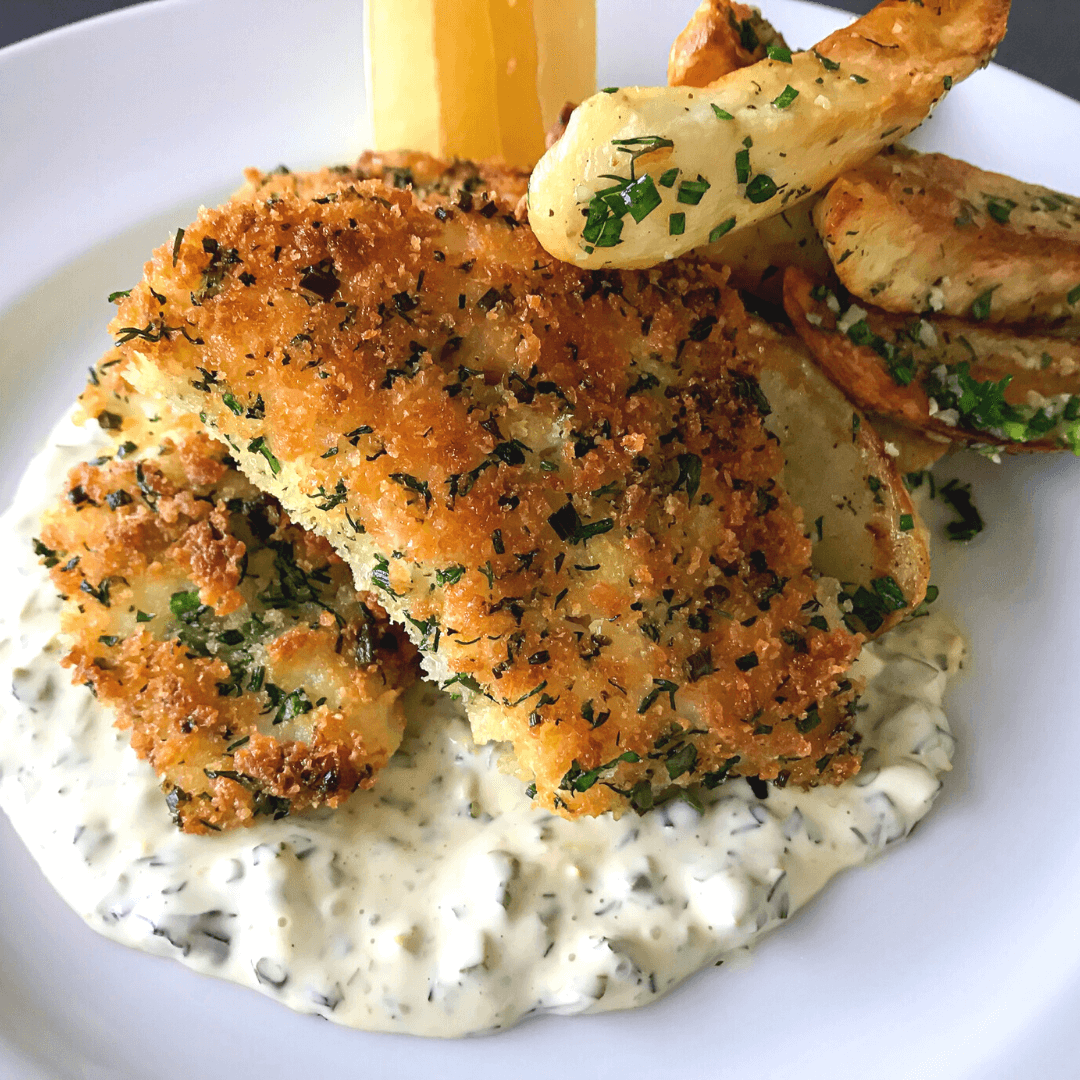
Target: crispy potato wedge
[646, 173]
[969, 382]
[757, 256]
[865, 529]
[912, 450]
[924, 232]
[720, 37]
[711, 46]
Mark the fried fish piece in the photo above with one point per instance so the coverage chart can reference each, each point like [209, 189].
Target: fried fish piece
[230, 642]
[970, 383]
[558, 479]
[426, 176]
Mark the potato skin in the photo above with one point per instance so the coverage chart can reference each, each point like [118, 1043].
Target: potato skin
[911, 232]
[860, 90]
[1042, 372]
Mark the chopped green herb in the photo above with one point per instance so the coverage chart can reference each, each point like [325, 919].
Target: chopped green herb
[293, 705]
[742, 166]
[721, 114]
[761, 189]
[689, 475]
[579, 780]
[380, 576]
[682, 761]
[676, 224]
[907, 522]
[1000, 209]
[787, 96]
[261, 446]
[184, 603]
[46, 553]
[980, 308]
[969, 522]
[411, 483]
[660, 686]
[667, 179]
[778, 52]
[721, 230]
[691, 191]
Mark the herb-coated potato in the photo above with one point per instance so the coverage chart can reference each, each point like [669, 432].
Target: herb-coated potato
[715, 43]
[911, 449]
[643, 174]
[917, 232]
[865, 530]
[757, 256]
[969, 382]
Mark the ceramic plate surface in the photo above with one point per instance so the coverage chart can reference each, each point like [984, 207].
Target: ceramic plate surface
[956, 956]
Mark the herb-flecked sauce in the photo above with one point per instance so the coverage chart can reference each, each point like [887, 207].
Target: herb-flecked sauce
[440, 902]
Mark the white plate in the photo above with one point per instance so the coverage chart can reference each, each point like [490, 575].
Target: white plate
[957, 956]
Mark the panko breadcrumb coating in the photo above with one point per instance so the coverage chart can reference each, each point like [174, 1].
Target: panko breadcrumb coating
[232, 643]
[559, 480]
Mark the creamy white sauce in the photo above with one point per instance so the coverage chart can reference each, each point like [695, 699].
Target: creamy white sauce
[440, 902]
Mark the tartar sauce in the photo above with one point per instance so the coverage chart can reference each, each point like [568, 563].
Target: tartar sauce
[440, 902]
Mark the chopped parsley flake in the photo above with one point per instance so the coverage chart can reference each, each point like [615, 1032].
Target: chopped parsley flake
[788, 95]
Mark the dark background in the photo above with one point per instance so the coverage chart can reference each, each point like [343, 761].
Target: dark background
[1043, 40]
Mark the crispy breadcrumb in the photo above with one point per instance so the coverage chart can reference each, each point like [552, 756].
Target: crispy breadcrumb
[558, 479]
[229, 641]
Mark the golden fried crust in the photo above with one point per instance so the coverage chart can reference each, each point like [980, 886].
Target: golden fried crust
[428, 177]
[1036, 373]
[559, 479]
[228, 641]
[720, 37]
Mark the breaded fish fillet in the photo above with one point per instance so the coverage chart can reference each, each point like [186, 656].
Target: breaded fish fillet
[558, 479]
[426, 176]
[230, 642]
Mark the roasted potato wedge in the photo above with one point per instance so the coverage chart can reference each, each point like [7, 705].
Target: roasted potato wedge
[646, 173]
[757, 256]
[720, 37]
[712, 45]
[866, 532]
[912, 450]
[917, 232]
[969, 382]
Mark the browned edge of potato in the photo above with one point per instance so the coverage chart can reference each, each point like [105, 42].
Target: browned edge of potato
[865, 529]
[972, 384]
[720, 37]
[915, 232]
